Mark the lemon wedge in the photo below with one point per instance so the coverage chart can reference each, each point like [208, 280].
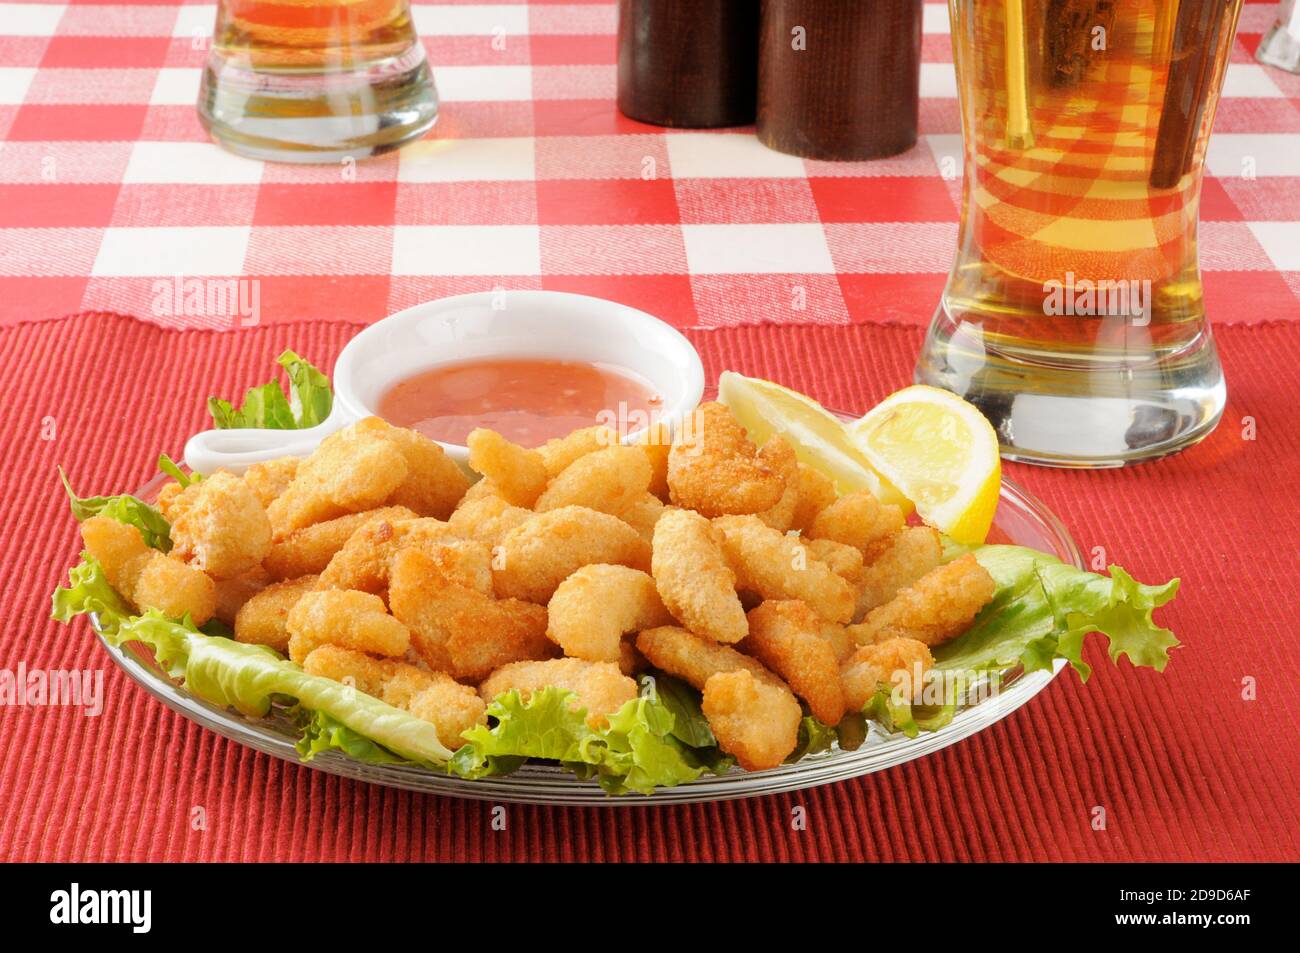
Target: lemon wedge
[818, 436]
[941, 452]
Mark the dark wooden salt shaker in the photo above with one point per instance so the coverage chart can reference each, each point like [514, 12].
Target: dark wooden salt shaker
[688, 63]
[839, 79]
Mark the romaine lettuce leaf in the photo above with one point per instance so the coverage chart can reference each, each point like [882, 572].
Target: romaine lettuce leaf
[308, 403]
[153, 526]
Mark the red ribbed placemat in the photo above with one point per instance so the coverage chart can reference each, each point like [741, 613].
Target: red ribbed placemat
[1183, 765]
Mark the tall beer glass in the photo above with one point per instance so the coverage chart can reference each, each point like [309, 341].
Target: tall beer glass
[315, 80]
[1073, 316]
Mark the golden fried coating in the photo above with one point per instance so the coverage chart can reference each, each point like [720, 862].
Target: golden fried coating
[434, 482]
[264, 619]
[268, 480]
[608, 480]
[857, 519]
[365, 560]
[908, 556]
[781, 516]
[355, 469]
[656, 442]
[432, 696]
[354, 620]
[714, 468]
[898, 663]
[937, 607]
[308, 551]
[145, 577]
[630, 661]
[594, 607]
[221, 527]
[169, 500]
[487, 519]
[559, 452]
[755, 721]
[643, 514]
[232, 593]
[517, 473]
[845, 561]
[536, 556]
[457, 629]
[691, 657]
[481, 489]
[779, 566]
[816, 492]
[694, 579]
[785, 635]
[838, 638]
[599, 687]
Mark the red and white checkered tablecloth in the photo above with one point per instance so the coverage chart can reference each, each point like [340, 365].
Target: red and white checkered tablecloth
[531, 179]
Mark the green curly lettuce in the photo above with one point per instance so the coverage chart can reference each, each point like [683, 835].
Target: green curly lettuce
[125, 508]
[307, 404]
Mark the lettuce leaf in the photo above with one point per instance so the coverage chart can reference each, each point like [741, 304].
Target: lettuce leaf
[307, 404]
[169, 467]
[153, 526]
[248, 678]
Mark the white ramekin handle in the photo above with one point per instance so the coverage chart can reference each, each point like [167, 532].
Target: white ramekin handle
[237, 450]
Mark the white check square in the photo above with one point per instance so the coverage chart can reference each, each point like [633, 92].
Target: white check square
[176, 86]
[1281, 241]
[938, 81]
[192, 21]
[467, 250]
[14, 83]
[199, 250]
[190, 163]
[934, 18]
[1234, 155]
[30, 19]
[1249, 79]
[468, 160]
[461, 84]
[756, 249]
[475, 19]
[726, 155]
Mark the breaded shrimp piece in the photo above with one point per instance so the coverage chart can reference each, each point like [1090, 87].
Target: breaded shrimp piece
[714, 468]
[937, 607]
[898, 663]
[845, 561]
[630, 661]
[755, 721]
[232, 593]
[459, 630]
[781, 516]
[778, 566]
[308, 551]
[168, 500]
[434, 482]
[693, 658]
[269, 479]
[452, 708]
[656, 441]
[263, 619]
[594, 607]
[481, 489]
[608, 480]
[517, 473]
[352, 470]
[857, 519]
[643, 514]
[222, 527]
[599, 687]
[365, 560]
[145, 577]
[559, 452]
[816, 492]
[487, 519]
[694, 579]
[785, 635]
[356, 669]
[909, 556]
[354, 620]
[838, 638]
[536, 556]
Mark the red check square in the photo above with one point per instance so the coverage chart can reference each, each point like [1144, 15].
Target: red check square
[57, 205]
[744, 201]
[339, 203]
[100, 123]
[884, 199]
[606, 202]
[105, 52]
[466, 203]
[565, 50]
[668, 297]
[31, 298]
[896, 299]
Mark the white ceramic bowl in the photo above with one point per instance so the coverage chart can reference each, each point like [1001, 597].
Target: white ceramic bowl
[538, 324]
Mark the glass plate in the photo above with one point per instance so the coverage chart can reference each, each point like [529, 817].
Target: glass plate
[1021, 519]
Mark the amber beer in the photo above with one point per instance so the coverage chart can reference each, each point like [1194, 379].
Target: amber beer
[1073, 315]
[316, 80]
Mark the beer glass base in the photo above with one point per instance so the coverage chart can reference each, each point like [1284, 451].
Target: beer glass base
[1088, 413]
[291, 116]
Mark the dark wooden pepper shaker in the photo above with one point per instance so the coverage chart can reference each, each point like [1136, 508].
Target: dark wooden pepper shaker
[688, 63]
[839, 79]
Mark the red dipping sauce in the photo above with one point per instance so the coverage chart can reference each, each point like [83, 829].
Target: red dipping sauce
[527, 400]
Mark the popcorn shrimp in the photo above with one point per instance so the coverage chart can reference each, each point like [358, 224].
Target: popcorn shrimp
[656, 442]
[145, 577]
[558, 453]
[434, 482]
[269, 479]
[517, 473]
[308, 551]
[608, 480]
[354, 620]
[816, 492]
[222, 527]
[778, 566]
[232, 593]
[264, 619]
[599, 687]
[487, 519]
[693, 577]
[937, 607]
[898, 663]
[755, 721]
[857, 519]
[715, 469]
[693, 658]
[643, 514]
[594, 607]
[909, 556]
[785, 636]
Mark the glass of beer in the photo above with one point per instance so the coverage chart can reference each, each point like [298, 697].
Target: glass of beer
[1073, 316]
[315, 80]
